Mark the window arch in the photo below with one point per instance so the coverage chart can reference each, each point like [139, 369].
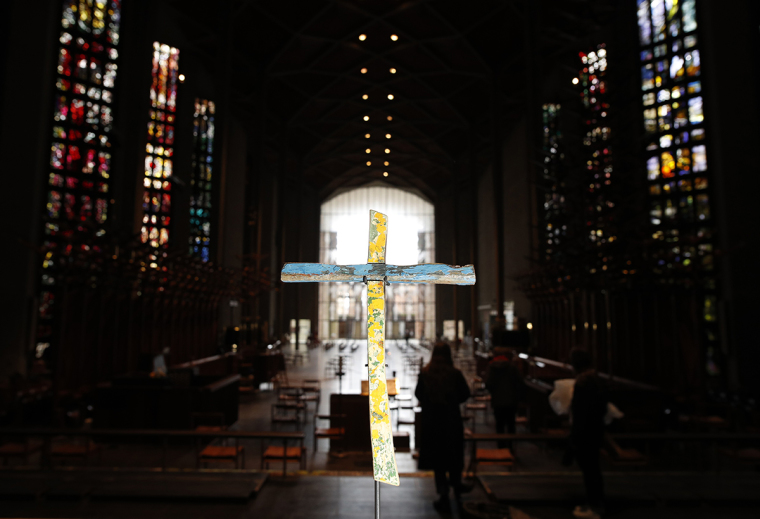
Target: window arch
[344, 230]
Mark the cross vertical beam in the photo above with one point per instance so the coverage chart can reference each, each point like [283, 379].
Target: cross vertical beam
[383, 454]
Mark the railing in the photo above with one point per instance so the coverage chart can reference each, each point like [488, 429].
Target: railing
[713, 439]
[200, 362]
[164, 434]
[538, 361]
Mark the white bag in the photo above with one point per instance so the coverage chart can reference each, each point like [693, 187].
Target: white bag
[561, 400]
[562, 396]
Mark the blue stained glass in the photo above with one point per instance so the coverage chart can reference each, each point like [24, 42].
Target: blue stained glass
[696, 115]
[645, 28]
[647, 77]
[658, 19]
[675, 28]
[689, 11]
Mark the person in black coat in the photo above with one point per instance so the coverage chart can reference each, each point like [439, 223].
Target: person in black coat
[441, 388]
[505, 384]
[588, 409]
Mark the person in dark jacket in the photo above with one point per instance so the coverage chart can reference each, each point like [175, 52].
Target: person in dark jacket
[588, 409]
[441, 388]
[504, 383]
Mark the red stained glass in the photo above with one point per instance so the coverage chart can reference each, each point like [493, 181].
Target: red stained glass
[85, 211]
[101, 210]
[69, 204]
[73, 159]
[81, 66]
[57, 152]
[104, 163]
[61, 109]
[158, 165]
[64, 63]
[54, 204]
[55, 180]
[83, 62]
[77, 111]
[166, 204]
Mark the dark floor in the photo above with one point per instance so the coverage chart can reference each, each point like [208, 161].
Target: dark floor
[317, 497]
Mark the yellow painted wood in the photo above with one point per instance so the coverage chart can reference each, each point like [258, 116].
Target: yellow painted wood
[383, 453]
[378, 235]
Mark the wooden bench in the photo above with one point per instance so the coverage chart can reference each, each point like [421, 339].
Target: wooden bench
[493, 457]
[19, 450]
[281, 413]
[284, 455]
[330, 433]
[222, 453]
[69, 450]
[620, 456]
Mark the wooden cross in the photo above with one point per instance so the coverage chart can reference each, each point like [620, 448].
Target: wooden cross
[376, 274]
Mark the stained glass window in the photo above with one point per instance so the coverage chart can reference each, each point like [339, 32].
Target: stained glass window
[677, 162]
[597, 136]
[201, 181]
[554, 204]
[78, 197]
[159, 150]
[674, 122]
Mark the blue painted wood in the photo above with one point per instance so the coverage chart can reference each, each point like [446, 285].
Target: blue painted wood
[426, 273]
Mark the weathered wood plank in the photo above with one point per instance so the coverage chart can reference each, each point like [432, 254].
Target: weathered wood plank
[383, 453]
[378, 236]
[426, 273]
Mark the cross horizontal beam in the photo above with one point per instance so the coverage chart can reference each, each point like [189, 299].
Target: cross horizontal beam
[426, 273]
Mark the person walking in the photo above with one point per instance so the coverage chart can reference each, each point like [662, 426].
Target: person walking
[441, 388]
[505, 384]
[588, 409]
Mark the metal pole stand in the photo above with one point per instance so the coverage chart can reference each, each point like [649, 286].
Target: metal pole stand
[377, 500]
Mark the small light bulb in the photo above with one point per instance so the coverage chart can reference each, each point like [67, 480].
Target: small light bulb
[390, 96]
[387, 163]
[385, 173]
[365, 97]
[394, 37]
[387, 150]
[387, 135]
[366, 136]
[390, 118]
[393, 71]
[364, 71]
[369, 163]
[368, 150]
[362, 37]
[366, 117]
[181, 78]
[575, 81]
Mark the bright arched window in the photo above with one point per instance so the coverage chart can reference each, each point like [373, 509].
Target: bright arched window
[344, 232]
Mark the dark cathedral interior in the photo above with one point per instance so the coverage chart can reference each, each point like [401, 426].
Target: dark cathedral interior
[590, 159]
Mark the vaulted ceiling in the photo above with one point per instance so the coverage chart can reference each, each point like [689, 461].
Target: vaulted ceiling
[403, 91]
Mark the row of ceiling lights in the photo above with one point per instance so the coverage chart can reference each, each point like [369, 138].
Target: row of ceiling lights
[364, 70]
[363, 37]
